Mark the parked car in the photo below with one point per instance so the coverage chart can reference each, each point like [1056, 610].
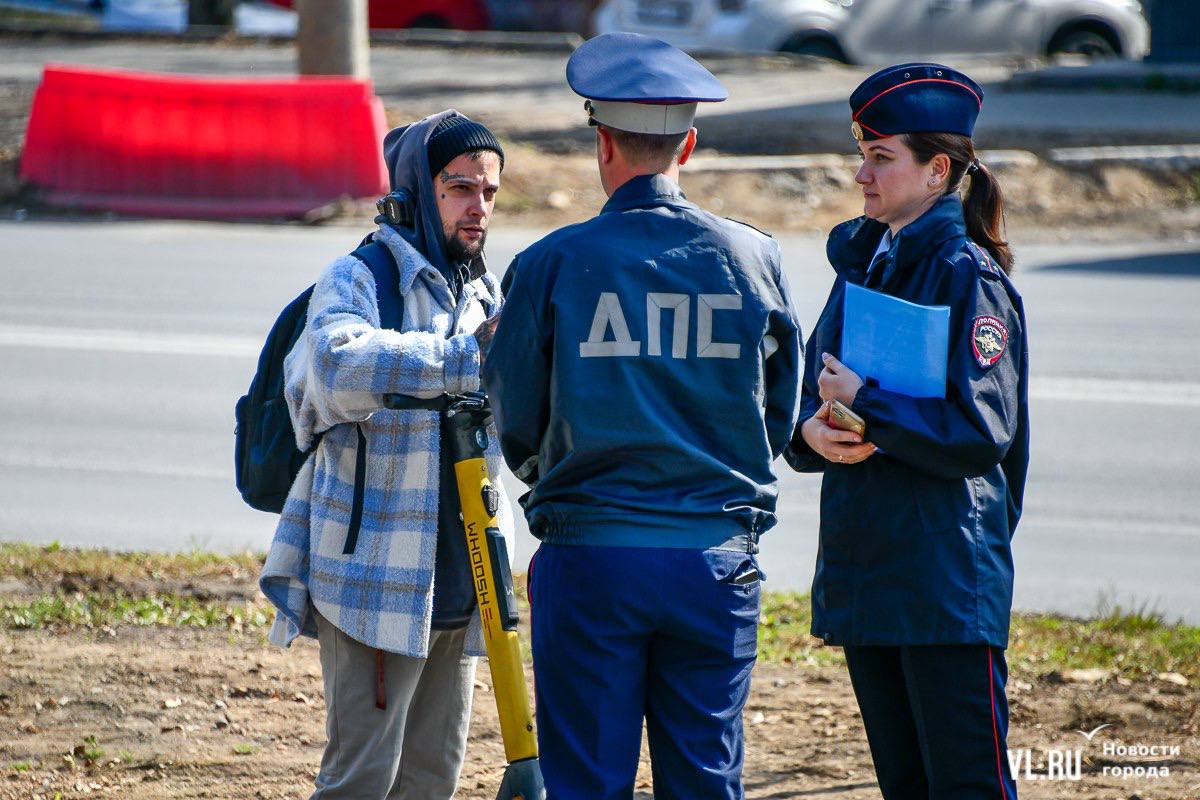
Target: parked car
[466, 15]
[542, 15]
[879, 31]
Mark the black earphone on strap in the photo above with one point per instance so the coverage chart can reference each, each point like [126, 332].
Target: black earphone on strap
[398, 208]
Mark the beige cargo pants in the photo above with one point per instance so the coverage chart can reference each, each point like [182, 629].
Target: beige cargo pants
[412, 749]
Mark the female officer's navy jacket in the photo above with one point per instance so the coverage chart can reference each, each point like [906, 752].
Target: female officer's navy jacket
[914, 541]
[645, 373]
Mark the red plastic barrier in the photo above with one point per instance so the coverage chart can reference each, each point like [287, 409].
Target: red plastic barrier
[171, 145]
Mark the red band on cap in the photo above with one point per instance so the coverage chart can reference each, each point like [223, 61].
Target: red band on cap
[872, 130]
[909, 83]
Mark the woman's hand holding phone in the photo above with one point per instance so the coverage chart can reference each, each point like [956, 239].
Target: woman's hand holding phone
[838, 446]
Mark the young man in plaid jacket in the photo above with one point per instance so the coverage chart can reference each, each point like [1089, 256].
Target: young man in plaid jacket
[386, 587]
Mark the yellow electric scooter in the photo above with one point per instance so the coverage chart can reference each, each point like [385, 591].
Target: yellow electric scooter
[468, 416]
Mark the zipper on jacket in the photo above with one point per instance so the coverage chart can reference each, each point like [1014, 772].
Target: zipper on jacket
[459, 303]
[360, 486]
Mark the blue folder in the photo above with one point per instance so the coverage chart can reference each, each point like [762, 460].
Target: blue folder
[900, 344]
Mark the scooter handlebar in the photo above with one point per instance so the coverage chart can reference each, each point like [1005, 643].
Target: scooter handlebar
[443, 402]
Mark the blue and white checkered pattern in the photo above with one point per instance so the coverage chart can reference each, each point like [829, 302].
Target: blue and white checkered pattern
[335, 376]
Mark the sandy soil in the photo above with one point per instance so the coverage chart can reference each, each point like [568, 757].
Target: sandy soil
[1044, 202]
[203, 713]
[548, 185]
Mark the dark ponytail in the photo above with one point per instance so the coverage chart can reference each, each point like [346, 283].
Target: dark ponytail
[983, 206]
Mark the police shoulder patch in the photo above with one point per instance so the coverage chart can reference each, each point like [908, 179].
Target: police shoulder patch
[989, 338]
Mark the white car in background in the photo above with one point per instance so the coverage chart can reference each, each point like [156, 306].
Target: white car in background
[880, 31]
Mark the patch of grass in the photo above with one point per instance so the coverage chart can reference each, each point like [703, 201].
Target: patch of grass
[43, 562]
[783, 632]
[1136, 642]
[1133, 644]
[98, 610]
[21, 766]
[244, 749]
[89, 751]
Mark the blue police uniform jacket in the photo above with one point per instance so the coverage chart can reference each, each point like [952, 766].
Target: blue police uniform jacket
[915, 540]
[645, 373]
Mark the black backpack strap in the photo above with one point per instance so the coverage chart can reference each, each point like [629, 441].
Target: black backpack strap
[382, 264]
[386, 272]
[360, 488]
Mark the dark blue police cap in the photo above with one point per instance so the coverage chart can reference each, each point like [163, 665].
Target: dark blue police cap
[640, 84]
[915, 98]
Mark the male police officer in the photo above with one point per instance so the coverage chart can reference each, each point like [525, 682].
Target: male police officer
[643, 377]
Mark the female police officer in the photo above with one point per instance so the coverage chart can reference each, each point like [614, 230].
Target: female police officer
[914, 571]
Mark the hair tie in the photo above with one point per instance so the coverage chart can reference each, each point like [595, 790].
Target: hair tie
[973, 167]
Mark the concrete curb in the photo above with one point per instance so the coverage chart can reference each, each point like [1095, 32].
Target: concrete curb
[1153, 157]
[1186, 156]
[490, 40]
[1110, 76]
[767, 163]
[191, 36]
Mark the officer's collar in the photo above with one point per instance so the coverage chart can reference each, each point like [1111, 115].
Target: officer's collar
[644, 190]
[851, 245]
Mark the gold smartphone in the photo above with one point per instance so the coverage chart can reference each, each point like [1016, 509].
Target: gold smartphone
[843, 418]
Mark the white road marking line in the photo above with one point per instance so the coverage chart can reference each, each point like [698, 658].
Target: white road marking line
[1115, 390]
[1091, 525]
[126, 341]
[1041, 387]
[26, 460]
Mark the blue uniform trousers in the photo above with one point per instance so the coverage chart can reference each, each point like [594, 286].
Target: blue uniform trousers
[622, 633]
[936, 719]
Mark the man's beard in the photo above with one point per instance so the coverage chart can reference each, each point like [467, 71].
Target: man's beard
[460, 252]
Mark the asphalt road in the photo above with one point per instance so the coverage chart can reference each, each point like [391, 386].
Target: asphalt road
[123, 347]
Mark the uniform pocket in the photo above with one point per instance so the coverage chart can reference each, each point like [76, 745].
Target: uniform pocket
[735, 569]
[741, 595]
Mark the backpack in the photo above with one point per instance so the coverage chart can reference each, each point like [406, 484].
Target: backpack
[266, 459]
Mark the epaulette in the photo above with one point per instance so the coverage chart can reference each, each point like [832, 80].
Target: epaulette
[984, 261]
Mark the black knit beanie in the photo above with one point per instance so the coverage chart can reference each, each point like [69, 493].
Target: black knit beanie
[456, 135]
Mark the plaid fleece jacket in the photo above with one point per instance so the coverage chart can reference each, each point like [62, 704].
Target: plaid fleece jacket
[382, 593]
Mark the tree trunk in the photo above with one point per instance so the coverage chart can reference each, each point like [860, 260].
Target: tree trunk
[331, 37]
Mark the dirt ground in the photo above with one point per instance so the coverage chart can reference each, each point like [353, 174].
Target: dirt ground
[1044, 202]
[206, 714]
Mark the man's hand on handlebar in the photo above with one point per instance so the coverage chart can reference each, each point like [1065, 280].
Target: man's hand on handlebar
[484, 334]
